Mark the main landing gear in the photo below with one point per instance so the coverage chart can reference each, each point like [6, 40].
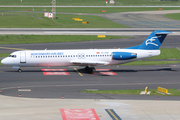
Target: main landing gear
[19, 70]
[89, 69]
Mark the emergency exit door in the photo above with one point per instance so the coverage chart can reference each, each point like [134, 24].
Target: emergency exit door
[23, 57]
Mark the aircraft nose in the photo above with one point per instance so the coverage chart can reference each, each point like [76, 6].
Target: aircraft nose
[4, 61]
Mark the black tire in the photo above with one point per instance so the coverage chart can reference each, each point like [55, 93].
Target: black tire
[86, 68]
[90, 70]
[19, 70]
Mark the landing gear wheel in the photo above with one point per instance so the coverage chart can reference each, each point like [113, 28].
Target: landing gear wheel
[86, 68]
[19, 70]
[90, 70]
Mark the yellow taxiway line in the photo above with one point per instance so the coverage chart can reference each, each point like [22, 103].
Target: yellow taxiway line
[78, 72]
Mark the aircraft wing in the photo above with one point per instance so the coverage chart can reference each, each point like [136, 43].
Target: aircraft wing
[88, 62]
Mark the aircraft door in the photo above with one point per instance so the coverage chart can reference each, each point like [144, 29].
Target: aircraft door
[23, 57]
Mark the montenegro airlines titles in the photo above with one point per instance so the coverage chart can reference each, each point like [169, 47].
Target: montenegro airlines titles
[87, 57]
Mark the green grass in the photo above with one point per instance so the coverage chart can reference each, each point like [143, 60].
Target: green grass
[4, 54]
[175, 16]
[173, 92]
[141, 62]
[168, 53]
[23, 39]
[89, 2]
[37, 20]
[86, 9]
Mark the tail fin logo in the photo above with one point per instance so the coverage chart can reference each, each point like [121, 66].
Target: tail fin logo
[151, 40]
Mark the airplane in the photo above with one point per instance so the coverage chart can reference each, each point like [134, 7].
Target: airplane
[87, 57]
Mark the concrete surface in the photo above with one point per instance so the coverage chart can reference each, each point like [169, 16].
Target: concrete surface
[49, 109]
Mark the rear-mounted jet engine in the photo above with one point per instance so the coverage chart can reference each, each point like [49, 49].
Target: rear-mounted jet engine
[123, 55]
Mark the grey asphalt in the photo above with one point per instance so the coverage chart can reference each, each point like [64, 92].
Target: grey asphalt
[85, 31]
[69, 86]
[128, 107]
[128, 77]
[144, 19]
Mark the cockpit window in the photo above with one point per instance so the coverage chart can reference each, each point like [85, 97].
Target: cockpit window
[13, 56]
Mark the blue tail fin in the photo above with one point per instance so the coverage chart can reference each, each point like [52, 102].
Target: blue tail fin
[153, 41]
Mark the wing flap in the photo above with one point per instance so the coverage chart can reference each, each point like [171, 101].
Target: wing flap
[87, 62]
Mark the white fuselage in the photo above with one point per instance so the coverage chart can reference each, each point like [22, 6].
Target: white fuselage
[80, 57]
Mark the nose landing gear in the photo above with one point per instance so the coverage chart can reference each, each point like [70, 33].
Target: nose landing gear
[19, 70]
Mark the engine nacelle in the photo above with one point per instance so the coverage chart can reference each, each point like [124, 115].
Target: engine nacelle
[123, 55]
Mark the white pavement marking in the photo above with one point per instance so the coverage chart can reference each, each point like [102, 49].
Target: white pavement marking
[24, 90]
